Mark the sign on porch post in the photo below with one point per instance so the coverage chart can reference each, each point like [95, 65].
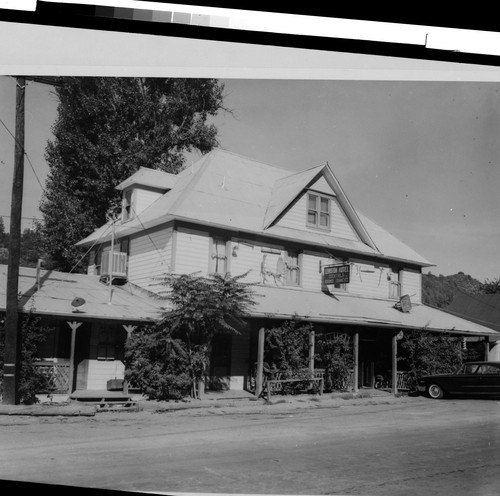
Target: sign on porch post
[74, 326]
[260, 363]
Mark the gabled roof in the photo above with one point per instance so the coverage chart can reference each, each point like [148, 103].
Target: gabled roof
[151, 178]
[57, 290]
[228, 191]
[285, 190]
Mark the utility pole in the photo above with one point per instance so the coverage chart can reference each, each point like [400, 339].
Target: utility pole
[12, 354]
[12, 349]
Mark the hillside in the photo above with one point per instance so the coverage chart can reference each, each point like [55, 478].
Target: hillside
[438, 291]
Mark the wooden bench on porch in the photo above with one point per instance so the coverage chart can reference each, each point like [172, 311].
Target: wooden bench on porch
[275, 379]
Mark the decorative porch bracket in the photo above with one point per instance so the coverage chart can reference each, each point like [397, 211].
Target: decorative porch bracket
[129, 329]
[74, 326]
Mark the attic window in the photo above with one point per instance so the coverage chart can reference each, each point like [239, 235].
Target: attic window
[318, 211]
[127, 205]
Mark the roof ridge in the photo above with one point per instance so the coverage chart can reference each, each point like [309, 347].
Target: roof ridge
[274, 166]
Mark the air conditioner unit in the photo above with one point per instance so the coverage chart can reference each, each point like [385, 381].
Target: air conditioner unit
[118, 266]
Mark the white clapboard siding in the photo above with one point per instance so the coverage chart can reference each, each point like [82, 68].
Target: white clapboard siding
[191, 252]
[143, 198]
[295, 217]
[311, 275]
[247, 257]
[98, 373]
[150, 257]
[411, 284]
[370, 280]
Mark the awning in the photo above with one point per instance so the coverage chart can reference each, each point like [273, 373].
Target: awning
[319, 307]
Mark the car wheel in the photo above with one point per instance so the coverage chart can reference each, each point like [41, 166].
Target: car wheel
[435, 392]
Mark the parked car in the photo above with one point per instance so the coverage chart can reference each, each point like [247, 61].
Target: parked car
[471, 379]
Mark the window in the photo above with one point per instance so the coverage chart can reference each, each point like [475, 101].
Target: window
[318, 211]
[109, 344]
[127, 206]
[218, 256]
[292, 268]
[394, 284]
[394, 290]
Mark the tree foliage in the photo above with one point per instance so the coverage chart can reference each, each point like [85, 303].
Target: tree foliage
[31, 380]
[438, 291]
[31, 246]
[424, 353]
[287, 349]
[336, 354]
[491, 286]
[106, 129]
[168, 360]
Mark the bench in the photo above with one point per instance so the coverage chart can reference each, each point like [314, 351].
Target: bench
[274, 381]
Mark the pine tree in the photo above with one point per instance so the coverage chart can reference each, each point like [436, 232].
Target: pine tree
[106, 129]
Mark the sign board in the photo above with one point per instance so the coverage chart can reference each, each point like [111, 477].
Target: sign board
[336, 274]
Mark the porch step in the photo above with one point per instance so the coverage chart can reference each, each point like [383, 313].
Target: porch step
[105, 400]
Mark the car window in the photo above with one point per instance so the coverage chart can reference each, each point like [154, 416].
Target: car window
[488, 369]
[468, 368]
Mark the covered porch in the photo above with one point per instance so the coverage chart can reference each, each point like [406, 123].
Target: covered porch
[374, 326]
[89, 323]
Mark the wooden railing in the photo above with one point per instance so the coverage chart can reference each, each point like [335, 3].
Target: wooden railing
[56, 375]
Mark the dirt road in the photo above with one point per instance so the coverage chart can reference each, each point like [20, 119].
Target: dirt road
[414, 446]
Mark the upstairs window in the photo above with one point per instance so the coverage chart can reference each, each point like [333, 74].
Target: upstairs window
[318, 211]
[292, 268]
[127, 206]
[218, 256]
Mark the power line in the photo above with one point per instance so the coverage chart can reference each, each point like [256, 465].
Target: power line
[26, 218]
[25, 153]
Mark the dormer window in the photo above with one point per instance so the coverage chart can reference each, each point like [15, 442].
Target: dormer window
[127, 206]
[318, 211]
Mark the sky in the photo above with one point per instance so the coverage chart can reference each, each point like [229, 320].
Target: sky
[419, 157]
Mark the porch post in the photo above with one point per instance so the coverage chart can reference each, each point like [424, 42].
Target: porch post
[311, 351]
[260, 363]
[395, 363]
[74, 326]
[355, 376]
[486, 348]
[129, 329]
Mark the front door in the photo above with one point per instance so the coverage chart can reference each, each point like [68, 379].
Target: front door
[220, 362]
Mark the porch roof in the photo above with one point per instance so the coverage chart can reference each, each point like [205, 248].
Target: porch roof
[58, 289]
[319, 307]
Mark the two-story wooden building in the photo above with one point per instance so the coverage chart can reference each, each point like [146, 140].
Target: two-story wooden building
[312, 254]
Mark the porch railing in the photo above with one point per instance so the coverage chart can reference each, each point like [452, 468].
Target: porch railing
[56, 375]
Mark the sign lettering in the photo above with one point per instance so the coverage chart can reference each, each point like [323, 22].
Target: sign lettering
[336, 274]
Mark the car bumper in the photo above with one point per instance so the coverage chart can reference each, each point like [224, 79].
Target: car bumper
[420, 388]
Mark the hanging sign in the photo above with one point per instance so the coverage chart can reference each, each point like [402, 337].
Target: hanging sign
[336, 274]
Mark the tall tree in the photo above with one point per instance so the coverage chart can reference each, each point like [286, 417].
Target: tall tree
[3, 235]
[106, 129]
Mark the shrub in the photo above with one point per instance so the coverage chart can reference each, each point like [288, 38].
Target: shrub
[168, 360]
[287, 350]
[336, 355]
[426, 354]
[31, 380]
